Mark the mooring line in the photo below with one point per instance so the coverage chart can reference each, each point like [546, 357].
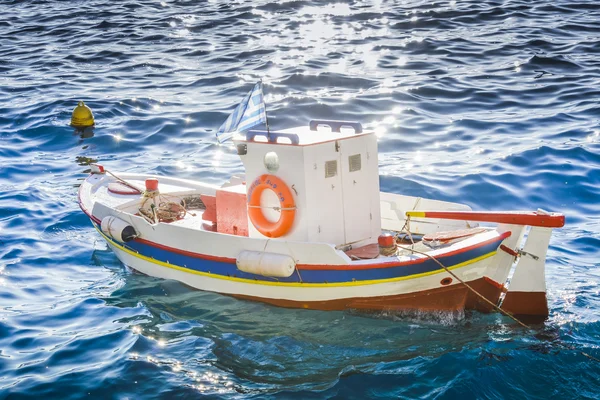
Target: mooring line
[498, 308]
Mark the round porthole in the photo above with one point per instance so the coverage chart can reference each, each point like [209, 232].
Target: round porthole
[446, 281]
[271, 161]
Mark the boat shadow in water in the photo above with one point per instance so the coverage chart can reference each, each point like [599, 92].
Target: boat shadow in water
[264, 348]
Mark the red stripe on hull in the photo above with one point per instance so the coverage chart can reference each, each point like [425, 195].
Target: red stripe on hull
[446, 298]
[228, 260]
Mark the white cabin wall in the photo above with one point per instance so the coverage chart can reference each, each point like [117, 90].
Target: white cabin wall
[360, 189]
[291, 159]
[324, 195]
[339, 209]
[373, 189]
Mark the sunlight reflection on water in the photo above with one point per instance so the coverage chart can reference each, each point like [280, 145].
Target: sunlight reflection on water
[486, 104]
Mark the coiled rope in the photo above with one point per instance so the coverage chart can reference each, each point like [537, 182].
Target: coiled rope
[165, 211]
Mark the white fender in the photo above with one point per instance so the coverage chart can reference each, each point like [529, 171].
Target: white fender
[118, 229]
[266, 264]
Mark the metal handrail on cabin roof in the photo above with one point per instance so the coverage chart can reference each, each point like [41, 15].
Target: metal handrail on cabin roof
[313, 125]
[273, 136]
[335, 126]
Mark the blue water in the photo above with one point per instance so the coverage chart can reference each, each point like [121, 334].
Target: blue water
[494, 104]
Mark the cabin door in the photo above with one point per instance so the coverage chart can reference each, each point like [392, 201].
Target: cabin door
[356, 190]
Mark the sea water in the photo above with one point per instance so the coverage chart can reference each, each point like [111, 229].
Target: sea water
[493, 104]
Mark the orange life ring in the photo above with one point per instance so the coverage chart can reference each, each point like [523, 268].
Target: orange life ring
[286, 202]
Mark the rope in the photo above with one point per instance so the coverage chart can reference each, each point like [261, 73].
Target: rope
[412, 249]
[590, 357]
[498, 308]
[473, 290]
[166, 211]
[406, 228]
[388, 251]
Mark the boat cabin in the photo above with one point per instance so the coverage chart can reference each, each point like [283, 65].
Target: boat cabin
[329, 168]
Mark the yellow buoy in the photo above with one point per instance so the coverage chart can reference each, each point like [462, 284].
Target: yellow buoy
[82, 116]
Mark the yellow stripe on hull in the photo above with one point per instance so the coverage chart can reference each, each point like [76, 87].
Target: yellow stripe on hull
[291, 284]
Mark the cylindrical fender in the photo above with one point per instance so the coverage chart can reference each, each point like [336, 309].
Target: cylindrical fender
[266, 264]
[118, 229]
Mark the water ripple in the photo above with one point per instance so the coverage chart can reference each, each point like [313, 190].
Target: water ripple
[491, 104]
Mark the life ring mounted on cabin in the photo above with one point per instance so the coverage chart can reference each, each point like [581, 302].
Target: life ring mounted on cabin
[287, 205]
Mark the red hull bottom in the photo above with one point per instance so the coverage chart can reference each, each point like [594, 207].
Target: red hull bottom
[526, 303]
[449, 298]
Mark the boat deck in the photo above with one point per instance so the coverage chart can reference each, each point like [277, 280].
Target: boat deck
[127, 196]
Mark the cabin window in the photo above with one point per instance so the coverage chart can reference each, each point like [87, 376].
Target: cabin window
[330, 168]
[355, 162]
[271, 161]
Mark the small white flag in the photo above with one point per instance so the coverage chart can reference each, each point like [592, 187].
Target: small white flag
[250, 112]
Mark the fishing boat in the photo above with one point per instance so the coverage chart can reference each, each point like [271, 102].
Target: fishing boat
[306, 226]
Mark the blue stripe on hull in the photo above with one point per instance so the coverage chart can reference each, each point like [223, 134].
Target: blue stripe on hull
[312, 276]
